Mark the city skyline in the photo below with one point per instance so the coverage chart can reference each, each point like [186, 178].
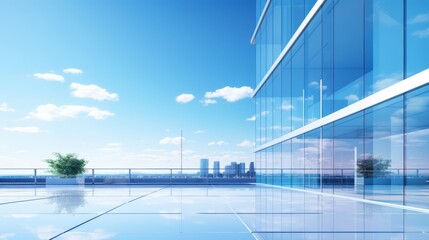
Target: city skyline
[117, 82]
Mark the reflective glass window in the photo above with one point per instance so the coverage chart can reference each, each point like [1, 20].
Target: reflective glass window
[417, 36]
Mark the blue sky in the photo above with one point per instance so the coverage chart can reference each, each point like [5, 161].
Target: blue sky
[105, 79]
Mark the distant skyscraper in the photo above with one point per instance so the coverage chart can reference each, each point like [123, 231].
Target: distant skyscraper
[216, 168]
[241, 169]
[204, 167]
[234, 168]
[252, 169]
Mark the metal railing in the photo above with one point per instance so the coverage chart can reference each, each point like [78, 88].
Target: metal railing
[40, 176]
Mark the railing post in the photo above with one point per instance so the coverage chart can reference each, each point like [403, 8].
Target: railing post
[171, 175]
[35, 176]
[93, 177]
[129, 175]
[342, 177]
[281, 177]
[417, 172]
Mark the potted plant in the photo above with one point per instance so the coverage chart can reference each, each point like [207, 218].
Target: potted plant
[66, 167]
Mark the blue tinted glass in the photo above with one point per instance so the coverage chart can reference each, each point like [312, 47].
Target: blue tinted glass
[263, 115]
[270, 34]
[297, 172]
[298, 11]
[297, 88]
[417, 36]
[286, 163]
[348, 52]
[286, 21]
[348, 149]
[327, 58]
[417, 151]
[269, 165]
[277, 164]
[277, 103]
[286, 107]
[381, 166]
[313, 69]
[328, 177]
[312, 159]
[277, 27]
[384, 44]
[269, 112]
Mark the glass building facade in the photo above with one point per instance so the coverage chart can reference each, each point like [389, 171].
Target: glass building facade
[342, 98]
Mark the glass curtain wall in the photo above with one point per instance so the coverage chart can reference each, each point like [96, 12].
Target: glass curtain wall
[377, 153]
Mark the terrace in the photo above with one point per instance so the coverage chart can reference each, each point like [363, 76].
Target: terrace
[167, 204]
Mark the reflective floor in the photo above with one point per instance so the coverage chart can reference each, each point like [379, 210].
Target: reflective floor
[197, 212]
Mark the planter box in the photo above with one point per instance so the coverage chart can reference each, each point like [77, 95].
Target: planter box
[65, 181]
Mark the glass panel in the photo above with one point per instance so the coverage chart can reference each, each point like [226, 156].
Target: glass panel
[277, 28]
[417, 36]
[258, 119]
[382, 163]
[328, 177]
[277, 103]
[277, 164]
[417, 151]
[384, 44]
[298, 162]
[327, 58]
[348, 52]
[286, 21]
[263, 114]
[286, 163]
[297, 88]
[312, 159]
[348, 148]
[313, 64]
[269, 25]
[269, 111]
[269, 165]
[286, 95]
[298, 9]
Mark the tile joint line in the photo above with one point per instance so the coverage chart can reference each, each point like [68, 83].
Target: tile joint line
[397, 206]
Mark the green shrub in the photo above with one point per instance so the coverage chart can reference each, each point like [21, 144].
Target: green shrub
[373, 167]
[66, 166]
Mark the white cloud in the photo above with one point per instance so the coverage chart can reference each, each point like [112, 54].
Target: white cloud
[286, 106]
[199, 131]
[218, 143]
[207, 102]
[352, 98]
[252, 118]
[246, 143]
[49, 112]
[92, 91]
[4, 107]
[230, 94]
[420, 18]
[73, 71]
[49, 77]
[23, 129]
[171, 140]
[422, 33]
[112, 147]
[184, 98]
[264, 113]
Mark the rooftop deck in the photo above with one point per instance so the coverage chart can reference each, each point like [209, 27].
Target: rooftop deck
[197, 212]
